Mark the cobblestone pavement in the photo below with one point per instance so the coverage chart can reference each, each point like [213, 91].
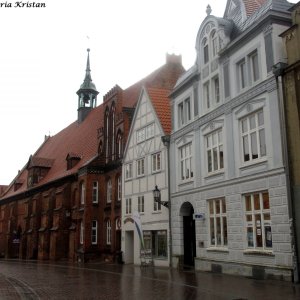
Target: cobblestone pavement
[48, 280]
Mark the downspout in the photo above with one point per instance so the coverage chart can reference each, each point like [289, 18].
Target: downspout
[166, 141]
[278, 70]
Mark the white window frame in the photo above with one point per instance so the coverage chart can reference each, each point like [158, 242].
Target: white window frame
[94, 232]
[257, 220]
[214, 151]
[113, 131]
[251, 135]
[248, 70]
[140, 167]
[242, 74]
[186, 162]
[214, 43]
[119, 193]
[206, 95]
[109, 191]
[184, 112]
[81, 234]
[82, 193]
[205, 49]
[108, 232]
[128, 171]
[107, 134]
[95, 192]
[128, 206]
[141, 204]
[119, 145]
[156, 162]
[145, 133]
[216, 89]
[254, 66]
[218, 231]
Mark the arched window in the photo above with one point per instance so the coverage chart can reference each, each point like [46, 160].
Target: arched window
[106, 135]
[119, 188]
[214, 43]
[109, 191]
[113, 141]
[119, 145]
[205, 50]
[108, 232]
[82, 193]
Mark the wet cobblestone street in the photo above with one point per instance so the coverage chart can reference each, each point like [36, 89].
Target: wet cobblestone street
[32, 280]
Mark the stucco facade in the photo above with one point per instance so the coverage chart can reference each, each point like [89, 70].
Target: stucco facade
[229, 186]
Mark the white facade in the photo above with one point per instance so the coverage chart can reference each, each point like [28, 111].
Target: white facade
[229, 185]
[145, 165]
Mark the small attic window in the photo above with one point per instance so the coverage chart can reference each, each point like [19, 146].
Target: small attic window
[38, 168]
[72, 160]
[17, 184]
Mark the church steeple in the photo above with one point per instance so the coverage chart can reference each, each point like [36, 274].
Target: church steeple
[87, 94]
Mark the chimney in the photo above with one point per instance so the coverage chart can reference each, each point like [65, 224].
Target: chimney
[173, 59]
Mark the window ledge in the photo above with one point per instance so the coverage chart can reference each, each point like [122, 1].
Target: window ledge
[217, 249]
[188, 181]
[155, 172]
[253, 163]
[156, 212]
[214, 174]
[258, 252]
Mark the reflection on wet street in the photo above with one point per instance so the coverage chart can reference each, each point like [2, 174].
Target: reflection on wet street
[32, 280]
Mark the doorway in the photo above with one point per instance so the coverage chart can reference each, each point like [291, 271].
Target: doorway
[189, 234]
[129, 247]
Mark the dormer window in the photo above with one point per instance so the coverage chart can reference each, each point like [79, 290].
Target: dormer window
[38, 168]
[72, 160]
[17, 184]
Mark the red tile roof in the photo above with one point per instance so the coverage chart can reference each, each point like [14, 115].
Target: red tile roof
[165, 77]
[81, 138]
[161, 104]
[252, 5]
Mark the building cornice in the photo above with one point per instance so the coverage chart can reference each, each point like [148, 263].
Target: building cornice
[229, 182]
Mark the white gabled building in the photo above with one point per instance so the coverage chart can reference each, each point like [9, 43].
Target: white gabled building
[145, 165]
[228, 186]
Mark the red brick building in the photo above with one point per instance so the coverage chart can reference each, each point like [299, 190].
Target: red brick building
[66, 201]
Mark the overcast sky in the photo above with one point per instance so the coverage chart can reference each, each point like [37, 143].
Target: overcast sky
[43, 60]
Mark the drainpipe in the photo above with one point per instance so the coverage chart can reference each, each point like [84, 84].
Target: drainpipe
[166, 141]
[278, 70]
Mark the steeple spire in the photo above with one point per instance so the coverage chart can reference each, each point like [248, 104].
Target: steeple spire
[88, 82]
[87, 94]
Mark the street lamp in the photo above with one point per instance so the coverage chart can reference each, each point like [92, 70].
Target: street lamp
[156, 196]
